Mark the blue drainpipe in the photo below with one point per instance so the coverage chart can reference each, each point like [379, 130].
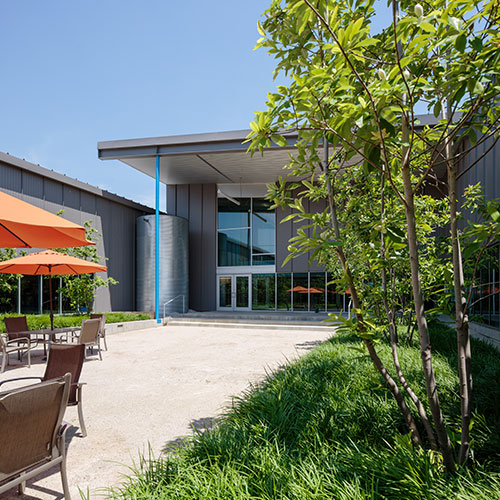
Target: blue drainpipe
[157, 242]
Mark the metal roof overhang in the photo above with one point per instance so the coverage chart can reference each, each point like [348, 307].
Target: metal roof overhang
[201, 158]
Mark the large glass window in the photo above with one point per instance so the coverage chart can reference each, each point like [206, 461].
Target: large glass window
[263, 233]
[317, 292]
[234, 247]
[246, 233]
[29, 294]
[300, 291]
[263, 291]
[283, 291]
[46, 294]
[334, 299]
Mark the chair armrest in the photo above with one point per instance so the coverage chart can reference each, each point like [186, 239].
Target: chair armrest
[21, 339]
[20, 378]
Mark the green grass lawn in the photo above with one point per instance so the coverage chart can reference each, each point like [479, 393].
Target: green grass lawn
[324, 427]
[40, 321]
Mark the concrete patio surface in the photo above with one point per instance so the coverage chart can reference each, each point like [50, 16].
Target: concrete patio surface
[153, 387]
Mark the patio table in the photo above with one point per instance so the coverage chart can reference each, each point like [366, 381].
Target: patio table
[49, 334]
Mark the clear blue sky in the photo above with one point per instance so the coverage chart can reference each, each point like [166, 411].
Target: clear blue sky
[75, 73]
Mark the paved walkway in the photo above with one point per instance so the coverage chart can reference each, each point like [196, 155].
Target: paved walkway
[153, 386]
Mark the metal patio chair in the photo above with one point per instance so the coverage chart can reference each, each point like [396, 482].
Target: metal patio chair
[89, 335]
[32, 438]
[102, 328]
[19, 345]
[64, 358]
[16, 324]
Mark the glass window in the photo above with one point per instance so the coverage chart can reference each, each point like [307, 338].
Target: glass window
[46, 295]
[317, 292]
[284, 291]
[263, 291]
[231, 215]
[29, 294]
[263, 227]
[234, 247]
[300, 291]
[263, 260]
[335, 299]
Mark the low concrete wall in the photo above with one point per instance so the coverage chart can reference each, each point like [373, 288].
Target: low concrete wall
[128, 326]
[486, 333]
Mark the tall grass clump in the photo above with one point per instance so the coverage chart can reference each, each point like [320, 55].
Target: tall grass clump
[325, 427]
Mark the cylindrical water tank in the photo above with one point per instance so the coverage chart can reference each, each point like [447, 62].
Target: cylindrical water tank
[174, 264]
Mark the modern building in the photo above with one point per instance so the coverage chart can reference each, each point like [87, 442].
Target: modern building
[237, 246]
[113, 216]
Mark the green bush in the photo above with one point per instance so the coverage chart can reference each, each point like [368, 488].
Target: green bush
[325, 427]
[41, 321]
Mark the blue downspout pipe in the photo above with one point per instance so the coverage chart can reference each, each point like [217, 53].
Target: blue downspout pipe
[157, 242]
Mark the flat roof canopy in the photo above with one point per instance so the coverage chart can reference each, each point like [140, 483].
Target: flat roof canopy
[201, 158]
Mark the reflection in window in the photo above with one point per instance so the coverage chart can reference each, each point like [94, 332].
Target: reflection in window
[300, 291]
[46, 295]
[234, 247]
[234, 240]
[29, 294]
[232, 216]
[334, 298]
[263, 291]
[283, 294]
[317, 292]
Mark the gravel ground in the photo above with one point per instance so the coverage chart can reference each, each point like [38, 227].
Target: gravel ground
[153, 387]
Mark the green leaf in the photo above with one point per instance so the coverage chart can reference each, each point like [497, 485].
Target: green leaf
[437, 108]
[460, 42]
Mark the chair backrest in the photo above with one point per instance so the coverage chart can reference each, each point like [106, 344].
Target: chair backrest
[89, 331]
[65, 359]
[102, 317]
[16, 324]
[30, 418]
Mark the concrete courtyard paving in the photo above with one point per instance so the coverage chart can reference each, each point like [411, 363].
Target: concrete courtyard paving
[152, 387]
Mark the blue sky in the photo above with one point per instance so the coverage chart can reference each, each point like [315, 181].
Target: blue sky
[75, 73]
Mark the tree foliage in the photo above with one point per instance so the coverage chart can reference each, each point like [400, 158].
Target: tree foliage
[389, 177]
[80, 289]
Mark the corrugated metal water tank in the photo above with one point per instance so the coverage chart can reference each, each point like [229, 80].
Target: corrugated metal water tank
[174, 263]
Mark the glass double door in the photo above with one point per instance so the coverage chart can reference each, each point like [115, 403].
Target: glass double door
[234, 292]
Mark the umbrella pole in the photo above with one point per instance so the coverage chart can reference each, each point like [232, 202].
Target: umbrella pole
[50, 300]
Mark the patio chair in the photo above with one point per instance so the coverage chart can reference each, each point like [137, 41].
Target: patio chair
[64, 358]
[89, 335]
[32, 438]
[102, 328]
[18, 345]
[18, 324]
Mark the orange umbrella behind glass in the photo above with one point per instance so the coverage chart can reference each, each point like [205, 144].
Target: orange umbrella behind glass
[49, 263]
[25, 226]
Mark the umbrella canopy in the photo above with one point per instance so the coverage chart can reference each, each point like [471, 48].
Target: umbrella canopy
[25, 226]
[49, 263]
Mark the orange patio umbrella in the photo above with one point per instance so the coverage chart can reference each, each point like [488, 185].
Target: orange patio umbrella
[49, 263]
[25, 226]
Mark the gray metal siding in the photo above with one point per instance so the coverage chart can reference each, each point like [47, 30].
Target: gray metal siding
[114, 220]
[283, 235]
[209, 235]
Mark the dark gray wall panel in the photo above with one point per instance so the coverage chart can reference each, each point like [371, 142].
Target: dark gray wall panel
[300, 264]
[195, 246]
[171, 199]
[283, 235]
[71, 197]
[88, 203]
[315, 207]
[53, 191]
[208, 250]
[11, 178]
[183, 201]
[32, 185]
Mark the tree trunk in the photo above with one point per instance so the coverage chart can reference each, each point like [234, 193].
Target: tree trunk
[461, 319]
[425, 346]
[391, 384]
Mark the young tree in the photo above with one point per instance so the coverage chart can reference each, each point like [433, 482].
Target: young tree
[358, 93]
[80, 289]
[8, 282]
